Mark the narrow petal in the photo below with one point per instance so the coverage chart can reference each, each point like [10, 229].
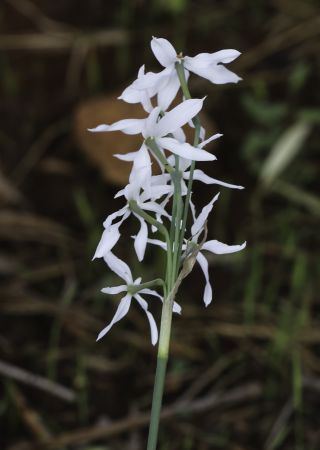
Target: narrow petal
[155, 192]
[151, 122]
[207, 296]
[134, 95]
[178, 116]
[155, 207]
[168, 92]
[141, 168]
[211, 138]
[203, 216]
[127, 126]
[204, 60]
[209, 66]
[224, 56]
[152, 82]
[185, 150]
[151, 292]
[111, 217]
[163, 51]
[122, 310]
[140, 242]
[157, 242]
[179, 135]
[176, 307]
[152, 323]
[217, 74]
[126, 156]
[119, 267]
[108, 240]
[219, 248]
[201, 176]
[221, 75]
[115, 289]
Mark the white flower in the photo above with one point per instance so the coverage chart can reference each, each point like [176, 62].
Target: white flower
[170, 123]
[130, 288]
[166, 83]
[213, 246]
[146, 201]
[132, 95]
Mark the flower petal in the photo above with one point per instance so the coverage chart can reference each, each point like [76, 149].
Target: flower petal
[134, 95]
[119, 267]
[115, 289]
[176, 307]
[217, 74]
[122, 310]
[168, 92]
[203, 216]
[108, 240]
[211, 138]
[155, 207]
[178, 116]
[155, 192]
[201, 176]
[219, 248]
[208, 65]
[152, 323]
[126, 156]
[163, 51]
[224, 56]
[140, 242]
[151, 122]
[152, 82]
[185, 150]
[157, 242]
[207, 296]
[127, 126]
[122, 212]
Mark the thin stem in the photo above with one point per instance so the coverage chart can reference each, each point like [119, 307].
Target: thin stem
[133, 205]
[177, 220]
[151, 143]
[177, 232]
[162, 360]
[196, 122]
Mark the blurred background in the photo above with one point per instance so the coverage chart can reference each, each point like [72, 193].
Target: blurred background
[244, 373]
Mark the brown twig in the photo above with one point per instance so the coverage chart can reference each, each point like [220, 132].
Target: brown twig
[242, 393]
[30, 417]
[279, 424]
[36, 381]
[33, 13]
[62, 41]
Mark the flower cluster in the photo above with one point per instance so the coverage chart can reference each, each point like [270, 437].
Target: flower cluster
[161, 202]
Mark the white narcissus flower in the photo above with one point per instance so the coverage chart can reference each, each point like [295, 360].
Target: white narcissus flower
[123, 271]
[159, 130]
[146, 193]
[146, 201]
[131, 290]
[166, 83]
[213, 246]
[132, 95]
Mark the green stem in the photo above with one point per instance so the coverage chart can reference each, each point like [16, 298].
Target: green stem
[162, 359]
[179, 211]
[177, 221]
[151, 143]
[197, 125]
[133, 205]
